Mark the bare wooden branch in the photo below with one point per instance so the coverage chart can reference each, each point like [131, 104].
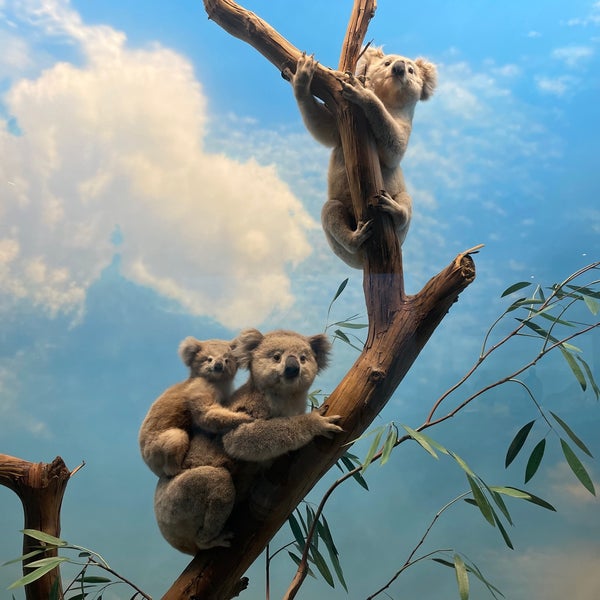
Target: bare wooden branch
[41, 488]
[399, 325]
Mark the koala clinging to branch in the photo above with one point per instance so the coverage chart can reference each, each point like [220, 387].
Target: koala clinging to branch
[392, 87]
[197, 402]
[192, 507]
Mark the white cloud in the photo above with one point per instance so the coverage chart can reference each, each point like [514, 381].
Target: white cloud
[118, 142]
[572, 56]
[592, 18]
[557, 86]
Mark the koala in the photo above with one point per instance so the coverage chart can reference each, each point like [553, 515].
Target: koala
[387, 89]
[196, 403]
[192, 508]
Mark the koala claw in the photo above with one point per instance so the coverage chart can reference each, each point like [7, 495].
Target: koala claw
[390, 205]
[364, 230]
[330, 427]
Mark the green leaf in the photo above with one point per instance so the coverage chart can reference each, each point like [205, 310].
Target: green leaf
[373, 449]
[535, 458]
[554, 319]
[574, 367]
[463, 465]
[462, 577]
[590, 377]
[333, 553]
[522, 494]
[571, 434]
[577, 468]
[351, 461]
[321, 565]
[39, 572]
[500, 503]
[340, 289]
[349, 325]
[295, 527]
[586, 291]
[389, 444]
[44, 537]
[503, 532]
[593, 305]
[93, 579]
[472, 568]
[481, 501]
[515, 288]
[426, 442]
[298, 560]
[517, 443]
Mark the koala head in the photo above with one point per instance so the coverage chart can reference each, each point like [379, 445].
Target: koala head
[211, 359]
[282, 362]
[398, 81]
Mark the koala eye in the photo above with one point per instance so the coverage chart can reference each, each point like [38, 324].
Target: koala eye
[277, 357]
[411, 70]
[387, 63]
[209, 359]
[303, 359]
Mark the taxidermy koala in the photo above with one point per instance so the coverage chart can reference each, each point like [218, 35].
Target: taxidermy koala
[392, 87]
[192, 508]
[197, 403]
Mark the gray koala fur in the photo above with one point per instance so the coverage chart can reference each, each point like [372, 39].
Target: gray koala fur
[387, 89]
[192, 508]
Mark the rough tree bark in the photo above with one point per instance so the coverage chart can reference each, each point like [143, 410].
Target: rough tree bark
[399, 325]
[40, 487]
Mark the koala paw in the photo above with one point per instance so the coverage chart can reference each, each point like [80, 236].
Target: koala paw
[364, 230]
[302, 78]
[353, 89]
[328, 425]
[400, 213]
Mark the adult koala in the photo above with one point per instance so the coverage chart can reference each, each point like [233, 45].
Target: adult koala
[387, 88]
[192, 507]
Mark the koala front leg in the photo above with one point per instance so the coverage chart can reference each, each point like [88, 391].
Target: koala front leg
[316, 116]
[270, 438]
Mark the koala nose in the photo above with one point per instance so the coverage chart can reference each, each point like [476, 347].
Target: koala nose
[292, 367]
[399, 68]
[218, 366]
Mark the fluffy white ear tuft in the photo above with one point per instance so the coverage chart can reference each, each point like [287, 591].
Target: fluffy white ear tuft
[188, 350]
[244, 344]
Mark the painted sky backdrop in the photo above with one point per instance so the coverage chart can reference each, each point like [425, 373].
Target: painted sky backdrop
[156, 182]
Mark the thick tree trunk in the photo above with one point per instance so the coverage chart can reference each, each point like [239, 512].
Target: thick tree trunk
[41, 488]
[399, 325]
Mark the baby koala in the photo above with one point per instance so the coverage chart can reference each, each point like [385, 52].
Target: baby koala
[392, 87]
[196, 403]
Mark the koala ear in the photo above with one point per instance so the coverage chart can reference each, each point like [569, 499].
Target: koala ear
[429, 76]
[321, 347]
[188, 350]
[367, 56]
[244, 344]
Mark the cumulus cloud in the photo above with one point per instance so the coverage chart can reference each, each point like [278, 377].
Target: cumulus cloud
[117, 142]
[572, 56]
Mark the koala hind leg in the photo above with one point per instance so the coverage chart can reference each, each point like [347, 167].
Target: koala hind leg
[399, 208]
[165, 454]
[344, 240]
[192, 508]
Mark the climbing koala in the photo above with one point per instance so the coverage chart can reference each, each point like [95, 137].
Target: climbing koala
[387, 89]
[196, 403]
[192, 508]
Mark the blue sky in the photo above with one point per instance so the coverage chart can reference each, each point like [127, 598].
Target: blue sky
[156, 182]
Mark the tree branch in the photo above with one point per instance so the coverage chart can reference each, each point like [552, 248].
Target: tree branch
[40, 487]
[399, 325]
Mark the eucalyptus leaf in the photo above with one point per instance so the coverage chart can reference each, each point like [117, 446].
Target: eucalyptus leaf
[373, 449]
[389, 445]
[321, 564]
[297, 532]
[577, 467]
[574, 367]
[571, 434]
[535, 458]
[522, 494]
[481, 501]
[39, 572]
[517, 443]
[424, 441]
[515, 288]
[503, 532]
[462, 577]
[590, 377]
[44, 537]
